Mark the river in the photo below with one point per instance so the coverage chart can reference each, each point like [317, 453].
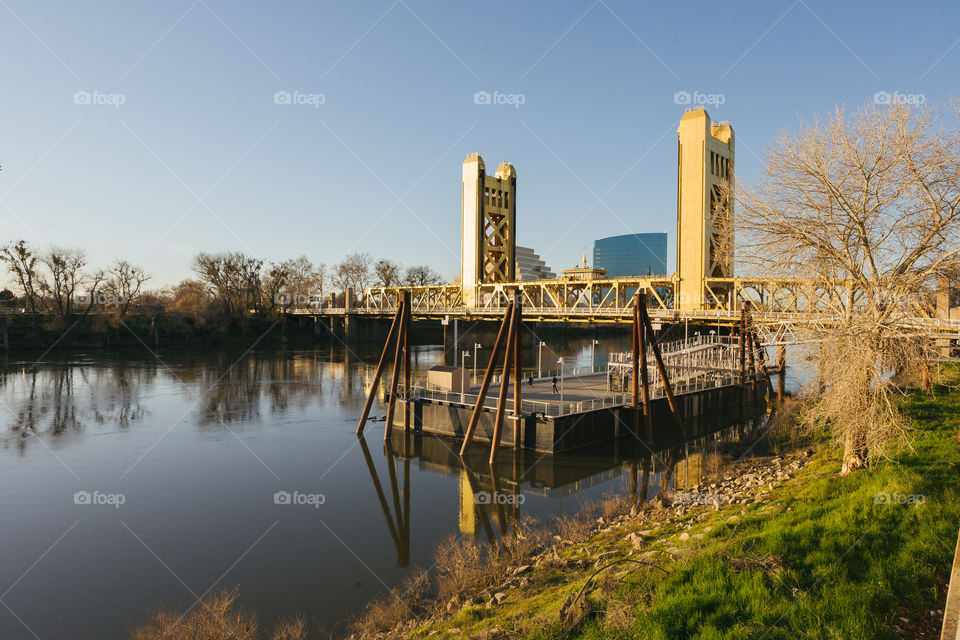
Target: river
[129, 481]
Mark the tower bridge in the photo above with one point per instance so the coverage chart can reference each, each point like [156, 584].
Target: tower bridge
[704, 287]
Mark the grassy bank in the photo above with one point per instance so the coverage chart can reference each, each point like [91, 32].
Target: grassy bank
[807, 555]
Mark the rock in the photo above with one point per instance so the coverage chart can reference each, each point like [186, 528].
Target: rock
[636, 540]
[499, 597]
[521, 569]
[452, 604]
[684, 536]
[733, 520]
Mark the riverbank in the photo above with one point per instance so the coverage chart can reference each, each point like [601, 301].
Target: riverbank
[778, 546]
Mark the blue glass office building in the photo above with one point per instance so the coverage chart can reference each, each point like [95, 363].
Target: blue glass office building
[633, 254]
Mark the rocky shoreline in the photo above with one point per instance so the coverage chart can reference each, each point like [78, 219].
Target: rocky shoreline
[654, 535]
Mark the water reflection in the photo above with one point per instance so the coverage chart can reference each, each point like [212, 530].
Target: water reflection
[491, 496]
[60, 401]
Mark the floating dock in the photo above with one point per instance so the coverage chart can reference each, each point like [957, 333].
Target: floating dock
[588, 414]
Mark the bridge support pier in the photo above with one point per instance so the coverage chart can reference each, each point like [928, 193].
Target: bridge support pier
[349, 327]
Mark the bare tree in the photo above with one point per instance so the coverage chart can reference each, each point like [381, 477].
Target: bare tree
[123, 284]
[387, 273]
[353, 272]
[422, 276]
[66, 280]
[871, 199]
[233, 280]
[303, 279]
[22, 263]
[275, 284]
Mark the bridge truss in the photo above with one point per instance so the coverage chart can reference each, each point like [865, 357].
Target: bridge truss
[780, 306]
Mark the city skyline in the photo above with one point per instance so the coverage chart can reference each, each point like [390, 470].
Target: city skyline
[154, 133]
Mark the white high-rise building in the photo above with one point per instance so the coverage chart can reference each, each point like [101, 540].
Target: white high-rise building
[530, 266]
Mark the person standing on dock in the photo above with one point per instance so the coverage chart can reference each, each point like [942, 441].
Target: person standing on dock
[555, 384]
[530, 381]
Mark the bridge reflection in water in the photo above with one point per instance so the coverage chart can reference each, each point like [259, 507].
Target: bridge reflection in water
[491, 496]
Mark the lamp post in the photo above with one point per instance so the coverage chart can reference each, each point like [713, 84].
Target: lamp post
[560, 362]
[476, 345]
[593, 355]
[463, 375]
[540, 359]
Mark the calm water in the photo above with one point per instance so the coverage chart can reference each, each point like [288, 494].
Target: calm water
[126, 482]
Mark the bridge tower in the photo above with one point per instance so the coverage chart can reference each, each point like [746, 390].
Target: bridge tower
[489, 250]
[705, 181]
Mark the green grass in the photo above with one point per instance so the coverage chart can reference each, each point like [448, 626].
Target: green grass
[849, 565]
[838, 563]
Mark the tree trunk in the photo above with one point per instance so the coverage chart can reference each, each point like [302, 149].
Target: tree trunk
[854, 452]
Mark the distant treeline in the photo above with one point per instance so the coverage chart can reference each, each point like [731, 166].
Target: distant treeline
[225, 287]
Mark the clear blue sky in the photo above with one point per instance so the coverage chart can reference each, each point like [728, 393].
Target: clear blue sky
[200, 157]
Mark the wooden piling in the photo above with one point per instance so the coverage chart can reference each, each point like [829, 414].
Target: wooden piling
[750, 360]
[644, 376]
[762, 360]
[379, 373]
[407, 326]
[667, 388]
[635, 383]
[781, 371]
[635, 366]
[504, 386]
[517, 353]
[487, 377]
[398, 353]
[781, 365]
[517, 370]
